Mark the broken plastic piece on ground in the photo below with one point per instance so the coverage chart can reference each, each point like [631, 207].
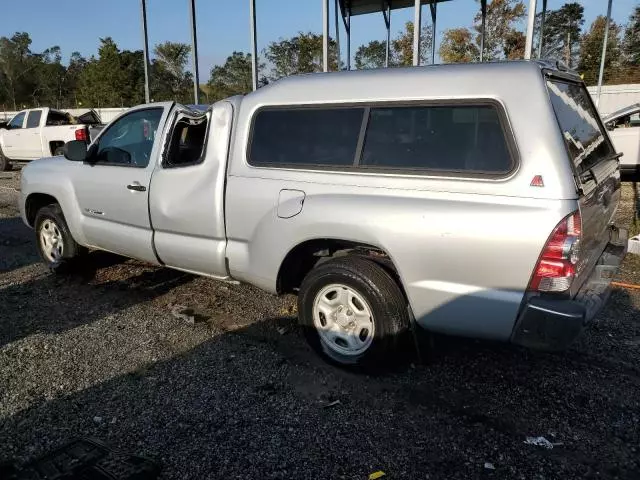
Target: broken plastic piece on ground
[86, 458]
[540, 442]
[489, 466]
[333, 404]
[375, 475]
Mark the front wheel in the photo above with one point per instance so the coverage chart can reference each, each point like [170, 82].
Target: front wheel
[352, 311]
[56, 246]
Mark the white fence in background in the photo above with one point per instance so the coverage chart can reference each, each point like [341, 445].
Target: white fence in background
[612, 98]
[615, 97]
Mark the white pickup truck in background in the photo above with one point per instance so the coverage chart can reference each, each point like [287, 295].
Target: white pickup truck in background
[42, 132]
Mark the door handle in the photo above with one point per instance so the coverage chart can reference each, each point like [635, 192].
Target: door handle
[136, 187]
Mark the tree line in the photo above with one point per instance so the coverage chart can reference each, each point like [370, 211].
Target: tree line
[115, 77]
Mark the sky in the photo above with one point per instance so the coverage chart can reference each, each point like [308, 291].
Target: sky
[223, 25]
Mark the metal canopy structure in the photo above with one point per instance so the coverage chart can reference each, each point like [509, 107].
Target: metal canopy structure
[349, 8]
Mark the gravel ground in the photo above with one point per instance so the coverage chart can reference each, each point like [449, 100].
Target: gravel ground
[238, 394]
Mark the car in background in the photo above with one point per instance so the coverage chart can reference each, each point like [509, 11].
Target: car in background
[42, 132]
[624, 130]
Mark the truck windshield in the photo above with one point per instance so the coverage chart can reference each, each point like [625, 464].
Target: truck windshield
[578, 120]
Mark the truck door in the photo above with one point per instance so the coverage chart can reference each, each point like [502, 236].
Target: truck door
[112, 188]
[187, 192]
[31, 138]
[12, 138]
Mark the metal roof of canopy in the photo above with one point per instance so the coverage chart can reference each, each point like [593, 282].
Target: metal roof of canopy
[363, 7]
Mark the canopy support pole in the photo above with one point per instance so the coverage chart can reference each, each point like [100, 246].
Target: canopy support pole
[434, 16]
[347, 27]
[254, 44]
[531, 19]
[483, 11]
[542, 19]
[335, 10]
[604, 53]
[145, 51]
[194, 52]
[386, 13]
[417, 27]
[325, 35]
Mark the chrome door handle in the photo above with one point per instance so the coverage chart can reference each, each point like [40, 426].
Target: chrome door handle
[136, 187]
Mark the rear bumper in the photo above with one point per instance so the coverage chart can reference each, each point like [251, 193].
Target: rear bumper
[630, 172]
[549, 323]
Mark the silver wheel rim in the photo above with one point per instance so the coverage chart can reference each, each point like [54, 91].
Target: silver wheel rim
[343, 319]
[51, 240]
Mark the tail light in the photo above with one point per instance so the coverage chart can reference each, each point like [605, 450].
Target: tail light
[81, 134]
[556, 267]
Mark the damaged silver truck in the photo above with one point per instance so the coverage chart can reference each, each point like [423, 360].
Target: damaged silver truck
[472, 200]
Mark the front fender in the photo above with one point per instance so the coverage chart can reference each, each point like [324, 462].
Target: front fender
[51, 177]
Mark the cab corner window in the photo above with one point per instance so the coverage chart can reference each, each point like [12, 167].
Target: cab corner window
[186, 146]
[129, 141]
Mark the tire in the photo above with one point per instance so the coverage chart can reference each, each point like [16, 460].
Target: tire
[57, 249]
[58, 151]
[325, 289]
[5, 164]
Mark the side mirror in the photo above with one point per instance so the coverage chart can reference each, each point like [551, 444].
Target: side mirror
[75, 150]
[610, 126]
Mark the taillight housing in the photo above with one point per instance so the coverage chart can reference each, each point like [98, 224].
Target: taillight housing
[81, 134]
[557, 265]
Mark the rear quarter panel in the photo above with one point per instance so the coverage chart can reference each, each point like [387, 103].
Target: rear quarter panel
[465, 260]
[465, 248]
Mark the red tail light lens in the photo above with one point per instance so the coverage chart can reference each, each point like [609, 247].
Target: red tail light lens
[556, 267]
[81, 134]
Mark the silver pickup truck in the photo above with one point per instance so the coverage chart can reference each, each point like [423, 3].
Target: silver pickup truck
[472, 200]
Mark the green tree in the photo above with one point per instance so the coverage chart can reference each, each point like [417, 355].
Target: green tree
[502, 38]
[232, 78]
[561, 37]
[591, 52]
[458, 46]
[631, 42]
[169, 78]
[501, 20]
[17, 63]
[77, 64]
[402, 46]
[112, 79]
[299, 54]
[371, 55]
[514, 45]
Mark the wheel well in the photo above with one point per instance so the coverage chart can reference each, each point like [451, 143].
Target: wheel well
[55, 144]
[302, 258]
[35, 202]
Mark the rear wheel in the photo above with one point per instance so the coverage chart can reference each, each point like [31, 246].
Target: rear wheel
[58, 151]
[352, 311]
[56, 246]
